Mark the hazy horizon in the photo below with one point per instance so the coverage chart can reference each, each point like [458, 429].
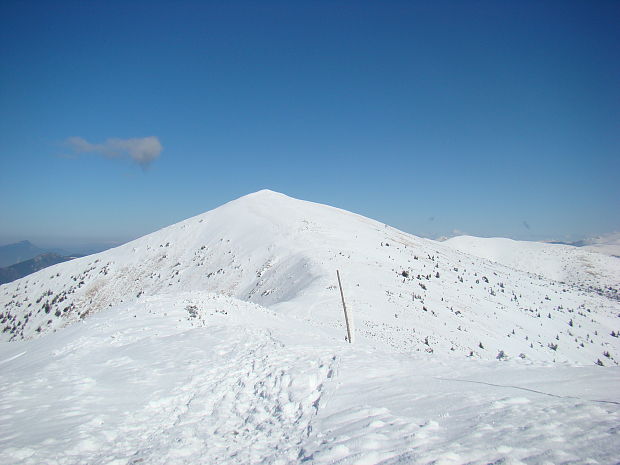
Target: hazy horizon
[83, 244]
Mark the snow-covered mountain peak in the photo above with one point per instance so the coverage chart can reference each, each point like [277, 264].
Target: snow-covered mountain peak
[266, 200]
[266, 194]
[220, 339]
[405, 292]
[279, 208]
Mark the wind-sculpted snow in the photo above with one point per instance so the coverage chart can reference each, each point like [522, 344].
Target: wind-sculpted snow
[184, 379]
[163, 381]
[406, 293]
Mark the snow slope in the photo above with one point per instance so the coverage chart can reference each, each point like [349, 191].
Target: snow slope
[184, 379]
[220, 340]
[608, 244]
[578, 266]
[408, 293]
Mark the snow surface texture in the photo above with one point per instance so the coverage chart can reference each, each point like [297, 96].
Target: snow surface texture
[608, 244]
[185, 379]
[220, 340]
[577, 266]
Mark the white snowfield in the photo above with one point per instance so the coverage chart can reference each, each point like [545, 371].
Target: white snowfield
[578, 266]
[608, 244]
[220, 340]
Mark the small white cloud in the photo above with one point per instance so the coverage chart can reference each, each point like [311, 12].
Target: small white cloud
[80, 145]
[142, 150]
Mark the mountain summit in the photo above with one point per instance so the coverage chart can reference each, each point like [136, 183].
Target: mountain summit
[405, 292]
[220, 340]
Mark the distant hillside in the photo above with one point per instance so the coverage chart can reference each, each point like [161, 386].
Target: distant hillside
[11, 254]
[19, 270]
[577, 266]
[607, 244]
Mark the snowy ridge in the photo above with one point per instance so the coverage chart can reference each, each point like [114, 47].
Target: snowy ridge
[608, 244]
[577, 266]
[407, 293]
[220, 340]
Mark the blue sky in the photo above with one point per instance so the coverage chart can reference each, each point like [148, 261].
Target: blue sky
[491, 118]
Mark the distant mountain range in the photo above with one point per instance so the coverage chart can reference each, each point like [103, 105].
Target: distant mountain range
[11, 254]
[21, 269]
[23, 258]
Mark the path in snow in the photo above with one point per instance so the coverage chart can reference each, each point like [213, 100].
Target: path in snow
[208, 379]
[159, 391]
[255, 406]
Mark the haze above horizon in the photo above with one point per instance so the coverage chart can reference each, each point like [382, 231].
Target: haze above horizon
[486, 118]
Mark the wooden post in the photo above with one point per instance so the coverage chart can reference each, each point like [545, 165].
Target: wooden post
[344, 306]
